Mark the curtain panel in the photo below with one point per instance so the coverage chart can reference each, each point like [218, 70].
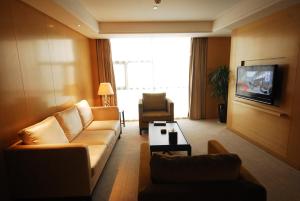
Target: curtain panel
[105, 67]
[197, 78]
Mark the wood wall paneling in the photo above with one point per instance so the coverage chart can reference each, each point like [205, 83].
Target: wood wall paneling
[294, 137]
[62, 57]
[84, 71]
[218, 53]
[271, 40]
[34, 59]
[44, 67]
[11, 90]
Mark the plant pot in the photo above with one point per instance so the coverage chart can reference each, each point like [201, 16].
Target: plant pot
[222, 109]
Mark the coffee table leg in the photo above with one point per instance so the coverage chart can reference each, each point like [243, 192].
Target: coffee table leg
[123, 115]
[189, 152]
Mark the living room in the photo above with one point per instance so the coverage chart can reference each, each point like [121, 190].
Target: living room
[55, 53]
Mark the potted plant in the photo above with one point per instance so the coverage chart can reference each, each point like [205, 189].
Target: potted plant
[218, 79]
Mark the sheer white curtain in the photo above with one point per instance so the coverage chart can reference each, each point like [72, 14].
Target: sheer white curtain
[151, 65]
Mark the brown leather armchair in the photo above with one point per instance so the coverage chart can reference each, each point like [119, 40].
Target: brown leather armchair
[154, 107]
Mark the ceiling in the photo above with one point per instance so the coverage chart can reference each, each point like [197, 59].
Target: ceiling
[115, 18]
[169, 10]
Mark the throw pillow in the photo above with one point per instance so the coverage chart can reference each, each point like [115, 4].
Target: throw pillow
[85, 112]
[70, 122]
[47, 131]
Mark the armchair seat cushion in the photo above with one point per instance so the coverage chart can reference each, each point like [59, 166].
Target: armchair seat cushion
[105, 125]
[95, 137]
[156, 116]
[97, 156]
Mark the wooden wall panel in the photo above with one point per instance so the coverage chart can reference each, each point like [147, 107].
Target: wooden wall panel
[44, 67]
[218, 53]
[272, 40]
[13, 102]
[294, 137]
[61, 56]
[34, 59]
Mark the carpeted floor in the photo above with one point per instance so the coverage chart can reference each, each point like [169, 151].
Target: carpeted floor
[119, 179]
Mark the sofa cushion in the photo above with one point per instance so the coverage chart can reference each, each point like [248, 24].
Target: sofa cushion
[95, 137]
[85, 112]
[97, 156]
[70, 121]
[105, 125]
[47, 131]
[154, 101]
[236, 190]
[156, 116]
[183, 169]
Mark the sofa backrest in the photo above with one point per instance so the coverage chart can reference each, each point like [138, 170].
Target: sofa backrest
[193, 169]
[47, 131]
[70, 122]
[85, 112]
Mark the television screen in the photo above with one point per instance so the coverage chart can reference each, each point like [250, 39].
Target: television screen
[256, 83]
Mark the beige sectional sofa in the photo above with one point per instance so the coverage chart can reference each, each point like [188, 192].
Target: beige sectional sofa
[63, 155]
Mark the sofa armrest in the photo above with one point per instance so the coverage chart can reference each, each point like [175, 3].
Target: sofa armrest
[170, 107]
[214, 147]
[49, 170]
[106, 113]
[144, 169]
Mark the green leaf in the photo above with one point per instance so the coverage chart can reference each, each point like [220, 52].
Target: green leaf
[218, 79]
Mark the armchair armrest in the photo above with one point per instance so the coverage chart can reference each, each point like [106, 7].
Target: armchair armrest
[170, 107]
[140, 107]
[106, 113]
[49, 170]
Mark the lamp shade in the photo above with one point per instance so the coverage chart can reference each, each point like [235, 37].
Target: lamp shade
[105, 89]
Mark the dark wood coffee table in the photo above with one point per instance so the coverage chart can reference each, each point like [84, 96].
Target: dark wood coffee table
[160, 142]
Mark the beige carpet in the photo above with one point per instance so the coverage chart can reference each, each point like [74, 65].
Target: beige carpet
[120, 177]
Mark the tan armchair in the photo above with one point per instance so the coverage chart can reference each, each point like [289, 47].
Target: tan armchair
[154, 107]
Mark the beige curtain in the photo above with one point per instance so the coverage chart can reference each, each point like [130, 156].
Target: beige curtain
[197, 78]
[105, 67]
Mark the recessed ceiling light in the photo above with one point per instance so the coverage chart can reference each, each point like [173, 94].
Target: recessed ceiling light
[78, 25]
[156, 4]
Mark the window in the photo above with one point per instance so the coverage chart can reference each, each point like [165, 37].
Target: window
[151, 65]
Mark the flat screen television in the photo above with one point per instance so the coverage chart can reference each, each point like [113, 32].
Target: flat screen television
[257, 83]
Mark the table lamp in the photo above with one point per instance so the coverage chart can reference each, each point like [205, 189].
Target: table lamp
[105, 90]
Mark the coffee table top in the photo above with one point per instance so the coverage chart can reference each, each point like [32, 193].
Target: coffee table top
[158, 139]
